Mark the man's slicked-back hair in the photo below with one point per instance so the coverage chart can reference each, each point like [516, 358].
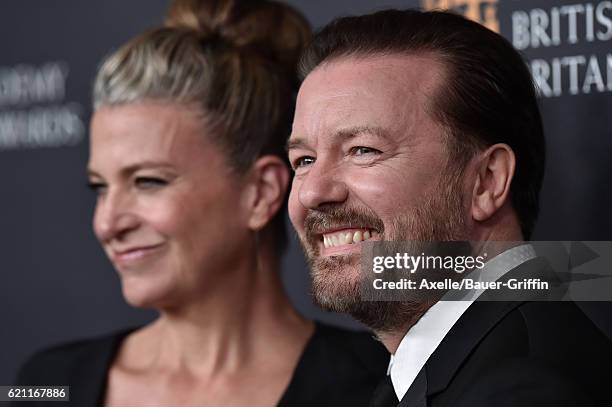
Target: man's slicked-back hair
[487, 97]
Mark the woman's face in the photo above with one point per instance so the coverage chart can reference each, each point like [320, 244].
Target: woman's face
[168, 211]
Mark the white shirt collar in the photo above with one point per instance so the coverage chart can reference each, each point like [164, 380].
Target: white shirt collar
[424, 337]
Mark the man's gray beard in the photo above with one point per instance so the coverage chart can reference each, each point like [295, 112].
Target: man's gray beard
[439, 217]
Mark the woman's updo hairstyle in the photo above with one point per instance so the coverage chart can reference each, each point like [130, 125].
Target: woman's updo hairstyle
[235, 60]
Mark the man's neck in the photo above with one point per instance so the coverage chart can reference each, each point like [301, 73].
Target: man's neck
[392, 338]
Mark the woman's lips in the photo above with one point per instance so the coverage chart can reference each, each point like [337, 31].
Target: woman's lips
[135, 254]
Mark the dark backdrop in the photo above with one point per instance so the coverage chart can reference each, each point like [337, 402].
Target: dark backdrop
[56, 283]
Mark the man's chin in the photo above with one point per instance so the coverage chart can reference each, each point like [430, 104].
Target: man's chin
[336, 281]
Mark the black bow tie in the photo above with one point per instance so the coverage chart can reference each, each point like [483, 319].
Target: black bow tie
[384, 394]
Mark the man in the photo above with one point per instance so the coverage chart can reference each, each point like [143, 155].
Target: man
[424, 126]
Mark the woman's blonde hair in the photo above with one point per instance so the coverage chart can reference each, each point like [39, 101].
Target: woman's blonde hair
[234, 60]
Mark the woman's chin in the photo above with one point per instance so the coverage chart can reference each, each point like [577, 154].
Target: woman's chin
[146, 296]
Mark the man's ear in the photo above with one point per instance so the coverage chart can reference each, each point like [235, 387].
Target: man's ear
[493, 177]
[268, 179]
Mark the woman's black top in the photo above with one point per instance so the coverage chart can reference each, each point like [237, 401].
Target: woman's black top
[337, 368]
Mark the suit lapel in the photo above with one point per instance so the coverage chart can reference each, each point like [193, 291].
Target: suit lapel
[416, 396]
[465, 335]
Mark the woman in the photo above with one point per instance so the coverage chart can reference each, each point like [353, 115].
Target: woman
[187, 141]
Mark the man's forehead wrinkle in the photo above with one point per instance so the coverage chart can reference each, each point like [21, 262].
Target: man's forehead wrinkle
[317, 120]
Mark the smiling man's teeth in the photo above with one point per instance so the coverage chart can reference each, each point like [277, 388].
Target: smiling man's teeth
[346, 237]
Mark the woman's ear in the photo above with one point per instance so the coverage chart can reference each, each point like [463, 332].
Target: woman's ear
[492, 183]
[268, 179]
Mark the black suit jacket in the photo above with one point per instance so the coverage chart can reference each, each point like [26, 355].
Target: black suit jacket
[527, 353]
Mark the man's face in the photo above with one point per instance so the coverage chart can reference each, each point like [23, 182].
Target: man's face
[370, 163]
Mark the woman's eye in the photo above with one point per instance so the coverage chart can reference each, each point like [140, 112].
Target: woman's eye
[302, 162]
[360, 150]
[150, 182]
[97, 187]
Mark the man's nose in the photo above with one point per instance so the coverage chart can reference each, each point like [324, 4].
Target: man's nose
[114, 216]
[322, 185]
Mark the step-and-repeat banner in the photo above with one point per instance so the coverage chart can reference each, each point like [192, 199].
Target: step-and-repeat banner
[56, 284]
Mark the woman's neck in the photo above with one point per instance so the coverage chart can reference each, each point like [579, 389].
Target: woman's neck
[245, 321]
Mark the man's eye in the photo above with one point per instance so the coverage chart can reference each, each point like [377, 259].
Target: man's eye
[360, 150]
[302, 162]
[97, 187]
[150, 182]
